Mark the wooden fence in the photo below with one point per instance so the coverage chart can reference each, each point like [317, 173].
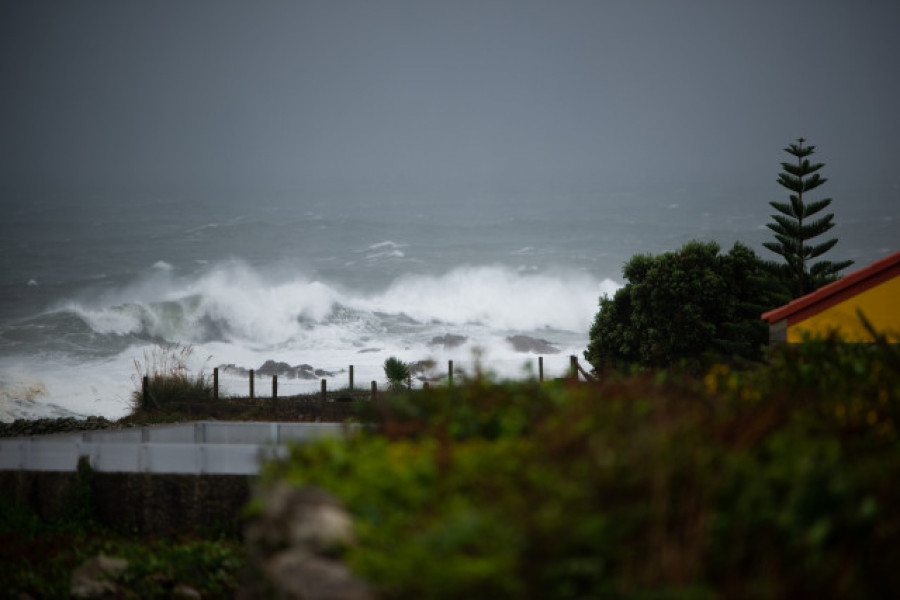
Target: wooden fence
[575, 369]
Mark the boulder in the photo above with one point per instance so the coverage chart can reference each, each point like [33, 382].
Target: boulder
[296, 542]
[96, 577]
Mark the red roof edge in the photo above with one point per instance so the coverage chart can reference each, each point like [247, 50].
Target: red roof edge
[824, 293]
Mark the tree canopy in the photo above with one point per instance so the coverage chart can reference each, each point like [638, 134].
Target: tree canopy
[680, 306]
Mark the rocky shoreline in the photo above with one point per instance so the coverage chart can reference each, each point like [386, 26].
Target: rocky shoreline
[26, 427]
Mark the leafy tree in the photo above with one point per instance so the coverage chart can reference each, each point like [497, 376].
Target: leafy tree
[678, 306]
[794, 227]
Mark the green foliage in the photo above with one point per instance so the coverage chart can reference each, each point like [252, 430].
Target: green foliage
[211, 567]
[680, 306]
[170, 384]
[37, 558]
[794, 227]
[739, 484]
[396, 371]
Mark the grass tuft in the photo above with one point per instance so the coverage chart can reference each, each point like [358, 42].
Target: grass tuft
[169, 380]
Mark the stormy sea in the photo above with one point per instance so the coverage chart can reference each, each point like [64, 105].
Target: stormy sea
[91, 284]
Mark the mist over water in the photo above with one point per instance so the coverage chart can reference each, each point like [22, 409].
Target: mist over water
[310, 280]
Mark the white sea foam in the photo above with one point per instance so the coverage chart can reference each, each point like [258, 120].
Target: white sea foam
[386, 244]
[497, 297]
[235, 314]
[385, 250]
[254, 308]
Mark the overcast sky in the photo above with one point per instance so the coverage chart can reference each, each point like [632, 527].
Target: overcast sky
[485, 95]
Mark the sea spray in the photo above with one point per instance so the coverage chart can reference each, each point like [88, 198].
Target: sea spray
[243, 316]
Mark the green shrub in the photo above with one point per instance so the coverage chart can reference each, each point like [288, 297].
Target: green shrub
[738, 484]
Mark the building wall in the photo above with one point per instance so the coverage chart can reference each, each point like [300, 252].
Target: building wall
[880, 304]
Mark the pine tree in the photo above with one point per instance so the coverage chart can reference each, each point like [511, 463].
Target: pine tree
[794, 227]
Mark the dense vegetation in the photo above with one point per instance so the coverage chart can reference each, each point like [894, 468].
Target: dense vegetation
[37, 557]
[694, 306]
[743, 482]
[776, 481]
[681, 307]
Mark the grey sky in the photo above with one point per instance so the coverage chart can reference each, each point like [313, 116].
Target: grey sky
[484, 95]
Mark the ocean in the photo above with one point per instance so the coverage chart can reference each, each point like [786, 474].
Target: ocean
[90, 284]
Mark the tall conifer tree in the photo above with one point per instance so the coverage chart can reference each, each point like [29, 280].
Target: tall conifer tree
[794, 227]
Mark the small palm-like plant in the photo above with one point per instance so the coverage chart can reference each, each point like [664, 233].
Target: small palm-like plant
[396, 371]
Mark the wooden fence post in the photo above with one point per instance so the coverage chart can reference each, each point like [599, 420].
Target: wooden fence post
[450, 372]
[274, 387]
[145, 391]
[573, 367]
[351, 378]
[540, 369]
[374, 391]
[251, 384]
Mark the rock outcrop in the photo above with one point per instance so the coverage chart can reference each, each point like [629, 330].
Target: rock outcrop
[295, 544]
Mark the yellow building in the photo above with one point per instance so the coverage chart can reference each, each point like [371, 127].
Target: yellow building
[874, 290]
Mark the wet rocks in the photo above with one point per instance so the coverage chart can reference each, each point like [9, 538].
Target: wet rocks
[281, 370]
[449, 340]
[26, 427]
[525, 343]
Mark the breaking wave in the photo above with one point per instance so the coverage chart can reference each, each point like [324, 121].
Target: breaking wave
[234, 303]
[80, 355]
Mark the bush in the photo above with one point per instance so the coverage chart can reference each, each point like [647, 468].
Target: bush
[679, 307]
[169, 382]
[738, 484]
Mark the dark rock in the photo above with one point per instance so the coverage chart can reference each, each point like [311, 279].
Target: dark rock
[419, 367]
[270, 367]
[304, 372]
[525, 343]
[449, 340]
